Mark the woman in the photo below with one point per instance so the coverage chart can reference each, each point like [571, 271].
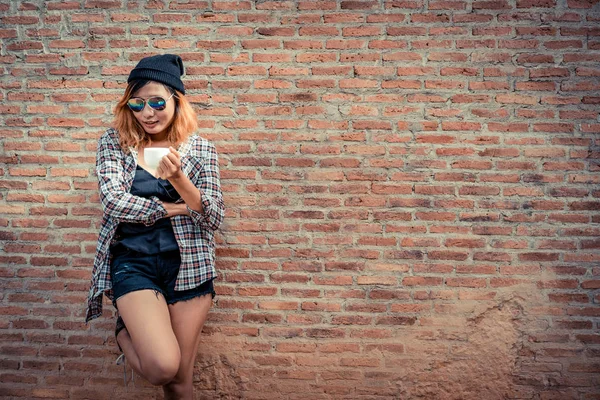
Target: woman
[155, 253]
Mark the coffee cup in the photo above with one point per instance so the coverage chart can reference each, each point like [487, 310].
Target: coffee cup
[153, 155]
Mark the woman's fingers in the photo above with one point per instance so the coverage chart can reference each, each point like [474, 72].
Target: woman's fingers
[170, 164]
[167, 163]
[174, 157]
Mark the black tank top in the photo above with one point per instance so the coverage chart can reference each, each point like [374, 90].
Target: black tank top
[152, 239]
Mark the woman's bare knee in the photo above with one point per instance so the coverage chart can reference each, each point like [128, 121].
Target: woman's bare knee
[161, 369]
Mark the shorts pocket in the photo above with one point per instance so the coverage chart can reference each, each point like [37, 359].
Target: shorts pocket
[119, 267]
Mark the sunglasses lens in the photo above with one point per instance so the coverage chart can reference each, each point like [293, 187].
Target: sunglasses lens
[136, 105]
[158, 103]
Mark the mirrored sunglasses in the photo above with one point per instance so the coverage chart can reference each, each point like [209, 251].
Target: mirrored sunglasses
[137, 104]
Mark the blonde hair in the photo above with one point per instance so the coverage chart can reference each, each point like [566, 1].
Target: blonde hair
[132, 134]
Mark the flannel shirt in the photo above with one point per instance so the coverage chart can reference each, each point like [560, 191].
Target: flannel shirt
[115, 170]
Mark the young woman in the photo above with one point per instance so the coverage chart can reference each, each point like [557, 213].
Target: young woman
[156, 252]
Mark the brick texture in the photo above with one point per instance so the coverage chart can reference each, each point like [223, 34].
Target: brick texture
[412, 191]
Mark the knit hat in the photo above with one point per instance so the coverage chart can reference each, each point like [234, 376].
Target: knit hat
[165, 68]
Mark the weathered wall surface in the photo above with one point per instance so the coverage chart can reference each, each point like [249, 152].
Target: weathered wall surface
[412, 192]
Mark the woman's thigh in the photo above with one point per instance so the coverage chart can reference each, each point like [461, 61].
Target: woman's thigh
[187, 320]
[146, 316]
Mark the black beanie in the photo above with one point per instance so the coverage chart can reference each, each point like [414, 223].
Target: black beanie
[165, 68]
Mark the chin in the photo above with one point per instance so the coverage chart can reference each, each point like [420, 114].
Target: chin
[155, 131]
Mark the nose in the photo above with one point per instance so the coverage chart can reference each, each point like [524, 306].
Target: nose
[147, 110]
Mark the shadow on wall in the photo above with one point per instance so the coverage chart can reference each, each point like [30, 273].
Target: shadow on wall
[481, 363]
[487, 351]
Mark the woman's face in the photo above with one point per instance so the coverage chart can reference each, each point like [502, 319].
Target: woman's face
[155, 122]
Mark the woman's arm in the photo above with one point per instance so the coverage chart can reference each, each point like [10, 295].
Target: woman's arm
[116, 201]
[170, 169]
[202, 197]
[174, 209]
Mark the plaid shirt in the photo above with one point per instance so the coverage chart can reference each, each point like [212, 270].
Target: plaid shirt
[194, 233]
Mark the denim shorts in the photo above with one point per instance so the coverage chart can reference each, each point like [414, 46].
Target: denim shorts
[131, 271]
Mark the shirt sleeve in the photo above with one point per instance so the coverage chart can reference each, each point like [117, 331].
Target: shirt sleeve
[116, 201]
[209, 183]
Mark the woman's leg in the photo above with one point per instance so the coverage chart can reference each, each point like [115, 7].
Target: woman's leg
[148, 341]
[187, 319]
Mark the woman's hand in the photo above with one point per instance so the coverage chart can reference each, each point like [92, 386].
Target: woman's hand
[169, 167]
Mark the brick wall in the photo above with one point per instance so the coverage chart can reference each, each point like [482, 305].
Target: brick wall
[412, 192]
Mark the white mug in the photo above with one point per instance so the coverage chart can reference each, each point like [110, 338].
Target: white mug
[153, 155]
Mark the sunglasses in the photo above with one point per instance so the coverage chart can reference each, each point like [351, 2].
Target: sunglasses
[137, 104]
